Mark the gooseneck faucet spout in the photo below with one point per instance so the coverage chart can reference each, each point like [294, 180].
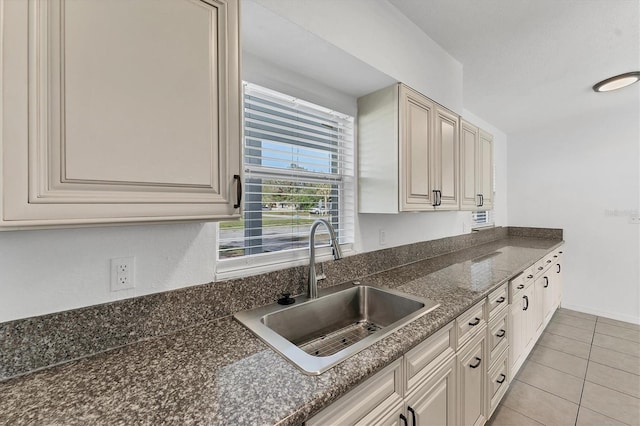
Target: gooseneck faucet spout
[337, 254]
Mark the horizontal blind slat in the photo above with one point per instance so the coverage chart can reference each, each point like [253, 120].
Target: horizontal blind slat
[297, 157]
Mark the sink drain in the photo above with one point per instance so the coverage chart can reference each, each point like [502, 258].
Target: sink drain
[336, 341]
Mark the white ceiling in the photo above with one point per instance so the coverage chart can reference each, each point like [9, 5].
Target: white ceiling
[531, 62]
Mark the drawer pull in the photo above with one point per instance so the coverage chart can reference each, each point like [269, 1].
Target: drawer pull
[502, 379]
[501, 333]
[555, 256]
[500, 300]
[548, 261]
[475, 322]
[529, 276]
[404, 420]
[560, 252]
[477, 364]
[413, 415]
[558, 265]
[546, 282]
[520, 287]
[540, 268]
[526, 299]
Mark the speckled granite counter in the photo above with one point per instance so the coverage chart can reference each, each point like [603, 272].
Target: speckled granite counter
[220, 373]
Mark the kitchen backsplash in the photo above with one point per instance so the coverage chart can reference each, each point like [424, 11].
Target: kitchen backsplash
[33, 343]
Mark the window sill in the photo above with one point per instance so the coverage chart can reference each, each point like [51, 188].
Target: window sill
[241, 267]
[483, 227]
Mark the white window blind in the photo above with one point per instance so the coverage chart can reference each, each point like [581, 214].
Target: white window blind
[482, 218]
[298, 166]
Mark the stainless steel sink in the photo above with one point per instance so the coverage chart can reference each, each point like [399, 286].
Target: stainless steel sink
[316, 334]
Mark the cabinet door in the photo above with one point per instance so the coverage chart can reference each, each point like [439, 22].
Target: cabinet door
[416, 135]
[548, 293]
[472, 370]
[556, 271]
[376, 401]
[537, 304]
[531, 319]
[446, 159]
[469, 199]
[119, 111]
[434, 403]
[485, 170]
[520, 335]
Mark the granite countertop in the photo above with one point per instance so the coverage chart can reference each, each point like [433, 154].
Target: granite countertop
[220, 373]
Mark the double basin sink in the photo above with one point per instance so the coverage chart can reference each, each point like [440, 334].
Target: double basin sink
[316, 334]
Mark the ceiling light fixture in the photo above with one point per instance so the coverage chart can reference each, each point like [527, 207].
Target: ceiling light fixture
[617, 82]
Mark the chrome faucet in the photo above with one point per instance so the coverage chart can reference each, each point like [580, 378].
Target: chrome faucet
[337, 254]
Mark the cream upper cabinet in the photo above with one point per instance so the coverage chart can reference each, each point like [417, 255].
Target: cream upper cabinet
[117, 111]
[416, 151]
[446, 144]
[469, 199]
[485, 172]
[408, 153]
[476, 168]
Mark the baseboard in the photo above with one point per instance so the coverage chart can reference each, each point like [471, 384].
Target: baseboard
[611, 315]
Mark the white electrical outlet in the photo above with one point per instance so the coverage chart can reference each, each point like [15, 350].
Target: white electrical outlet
[383, 237]
[122, 273]
[634, 219]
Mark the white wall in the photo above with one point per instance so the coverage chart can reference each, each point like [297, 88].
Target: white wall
[376, 33]
[583, 175]
[49, 271]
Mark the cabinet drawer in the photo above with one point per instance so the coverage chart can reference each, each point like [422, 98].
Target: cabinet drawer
[424, 359]
[543, 264]
[468, 323]
[497, 300]
[520, 283]
[498, 381]
[377, 394]
[498, 338]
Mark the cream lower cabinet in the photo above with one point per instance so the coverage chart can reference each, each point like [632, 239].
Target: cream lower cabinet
[417, 389]
[472, 382]
[557, 279]
[534, 296]
[541, 285]
[498, 333]
[119, 112]
[459, 374]
[551, 286]
[431, 377]
[407, 152]
[374, 402]
[523, 327]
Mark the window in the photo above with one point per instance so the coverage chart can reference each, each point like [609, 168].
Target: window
[482, 218]
[298, 166]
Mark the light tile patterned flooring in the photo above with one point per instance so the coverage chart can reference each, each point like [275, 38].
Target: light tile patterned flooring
[584, 370]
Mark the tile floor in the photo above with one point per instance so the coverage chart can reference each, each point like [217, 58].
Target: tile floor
[584, 370]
